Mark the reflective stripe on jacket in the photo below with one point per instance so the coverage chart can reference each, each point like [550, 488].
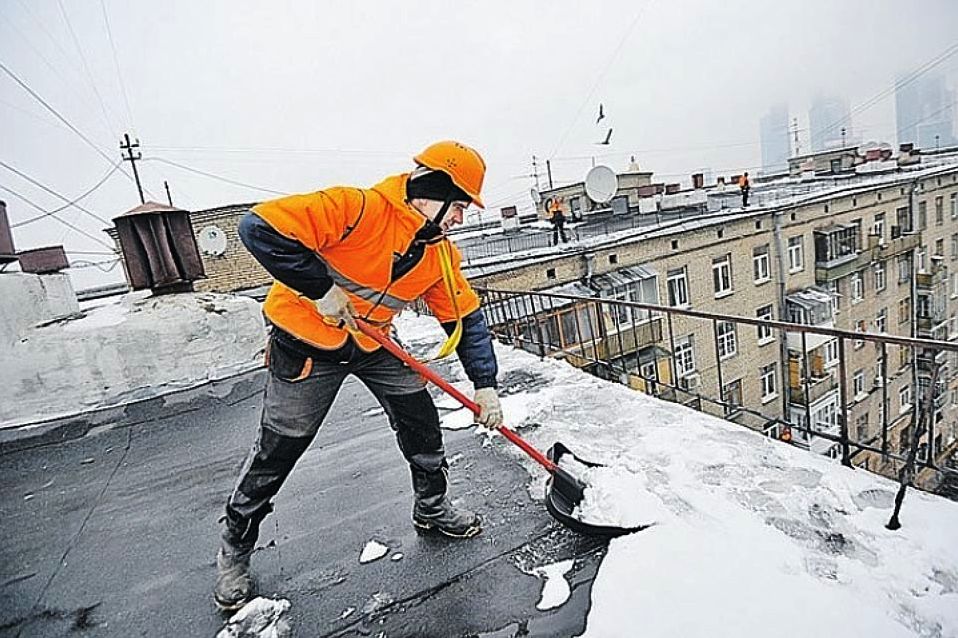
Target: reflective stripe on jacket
[353, 236]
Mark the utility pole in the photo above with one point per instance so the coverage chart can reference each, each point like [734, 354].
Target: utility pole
[126, 145]
[843, 137]
[535, 172]
[549, 173]
[798, 150]
[169, 198]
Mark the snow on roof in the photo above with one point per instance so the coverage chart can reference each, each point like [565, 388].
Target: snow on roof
[753, 537]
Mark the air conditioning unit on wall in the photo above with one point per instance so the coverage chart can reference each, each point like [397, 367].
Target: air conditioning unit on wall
[690, 382]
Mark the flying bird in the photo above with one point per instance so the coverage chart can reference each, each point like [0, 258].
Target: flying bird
[608, 137]
[601, 114]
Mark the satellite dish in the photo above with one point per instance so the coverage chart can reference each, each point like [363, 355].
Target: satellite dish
[601, 184]
[536, 196]
[212, 241]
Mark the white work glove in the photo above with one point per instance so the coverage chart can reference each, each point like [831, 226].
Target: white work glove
[490, 411]
[335, 308]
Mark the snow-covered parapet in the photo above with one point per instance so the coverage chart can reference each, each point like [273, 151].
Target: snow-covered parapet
[27, 300]
[127, 348]
[751, 536]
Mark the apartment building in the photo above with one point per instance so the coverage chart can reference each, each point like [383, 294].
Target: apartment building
[879, 256]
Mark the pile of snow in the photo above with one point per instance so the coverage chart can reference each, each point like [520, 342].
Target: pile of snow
[259, 618]
[127, 348]
[373, 550]
[752, 536]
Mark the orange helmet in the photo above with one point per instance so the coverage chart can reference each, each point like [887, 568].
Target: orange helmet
[462, 163]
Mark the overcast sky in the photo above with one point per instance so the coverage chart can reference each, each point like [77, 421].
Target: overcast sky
[295, 96]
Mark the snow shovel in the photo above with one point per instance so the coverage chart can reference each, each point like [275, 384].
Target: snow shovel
[564, 492]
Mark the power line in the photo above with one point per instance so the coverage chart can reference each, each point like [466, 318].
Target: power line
[72, 202]
[116, 65]
[902, 82]
[69, 125]
[213, 176]
[53, 192]
[86, 67]
[62, 221]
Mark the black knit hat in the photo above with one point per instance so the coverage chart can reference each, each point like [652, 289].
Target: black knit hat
[435, 185]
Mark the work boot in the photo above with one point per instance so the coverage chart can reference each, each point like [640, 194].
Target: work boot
[437, 513]
[433, 511]
[234, 585]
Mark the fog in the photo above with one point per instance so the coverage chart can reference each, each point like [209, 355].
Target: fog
[296, 96]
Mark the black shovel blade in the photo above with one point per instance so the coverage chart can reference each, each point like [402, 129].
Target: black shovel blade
[564, 493]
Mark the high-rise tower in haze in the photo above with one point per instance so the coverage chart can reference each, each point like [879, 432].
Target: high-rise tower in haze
[925, 108]
[776, 148]
[826, 119]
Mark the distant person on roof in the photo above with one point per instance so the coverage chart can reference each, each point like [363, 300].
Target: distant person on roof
[745, 186]
[557, 217]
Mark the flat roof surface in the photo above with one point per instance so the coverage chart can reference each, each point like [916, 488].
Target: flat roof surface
[115, 533]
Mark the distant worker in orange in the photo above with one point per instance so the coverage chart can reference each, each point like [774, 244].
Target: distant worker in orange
[557, 217]
[745, 187]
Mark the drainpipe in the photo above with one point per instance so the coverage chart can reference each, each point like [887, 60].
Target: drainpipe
[913, 292]
[783, 341]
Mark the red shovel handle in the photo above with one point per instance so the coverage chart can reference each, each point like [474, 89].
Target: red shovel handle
[445, 386]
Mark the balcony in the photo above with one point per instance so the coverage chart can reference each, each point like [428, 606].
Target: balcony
[828, 271]
[809, 307]
[817, 388]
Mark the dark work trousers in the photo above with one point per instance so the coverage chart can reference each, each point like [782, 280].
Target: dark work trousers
[300, 388]
[745, 192]
[557, 230]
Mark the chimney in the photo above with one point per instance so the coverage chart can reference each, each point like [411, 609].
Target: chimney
[698, 180]
[159, 248]
[7, 251]
[510, 219]
[43, 261]
[720, 181]
[671, 189]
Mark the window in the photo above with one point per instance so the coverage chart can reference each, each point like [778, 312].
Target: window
[642, 291]
[859, 327]
[940, 247]
[880, 283]
[861, 428]
[904, 268]
[879, 227]
[858, 384]
[939, 210]
[722, 275]
[922, 216]
[678, 286]
[904, 310]
[920, 259]
[796, 260]
[732, 396]
[684, 357]
[550, 273]
[764, 332]
[881, 320]
[954, 246]
[858, 287]
[767, 376]
[831, 353]
[954, 284]
[903, 219]
[836, 296]
[760, 264]
[904, 399]
[726, 339]
[954, 205]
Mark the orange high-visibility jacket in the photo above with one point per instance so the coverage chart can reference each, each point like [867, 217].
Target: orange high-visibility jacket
[743, 182]
[356, 233]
